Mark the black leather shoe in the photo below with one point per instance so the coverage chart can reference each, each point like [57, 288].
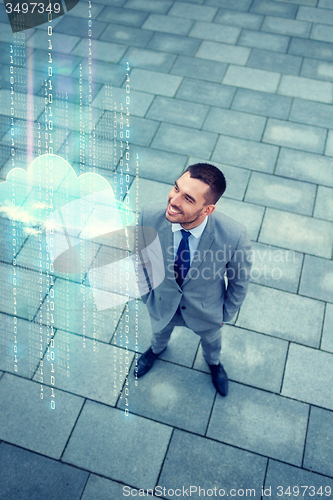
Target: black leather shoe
[220, 379]
[146, 361]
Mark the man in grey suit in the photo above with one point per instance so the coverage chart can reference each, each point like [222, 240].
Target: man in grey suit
[200, 248]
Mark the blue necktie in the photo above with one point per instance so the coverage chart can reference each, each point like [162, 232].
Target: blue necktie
[182, 260]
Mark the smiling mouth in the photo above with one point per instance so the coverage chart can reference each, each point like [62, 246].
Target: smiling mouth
[172, 211]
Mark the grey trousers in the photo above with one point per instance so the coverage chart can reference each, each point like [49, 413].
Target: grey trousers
[210, 340]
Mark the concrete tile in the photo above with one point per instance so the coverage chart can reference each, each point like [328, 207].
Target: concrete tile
[222, 52]
[275, 267]
[101, 51]
[260, 40]
[174, 43]
[312, 113]
[299, 165]
[327, 340]
[63, 64]
[158, 192]
[318, 70]
[178, 112]
[277, 313]
[189, 11]
[235, 123]
[211, 31]
[235, 5]
[237, 178]
[254, 79]
[314, 15]
[154, 82]
[115, 454]
[245, 213]
[148, 59]
[297, 232]
[283, 475]
[245, 154]
[142, 130]
[306, 88]
[234, 18]
[311, 48]
[317, 278]
[206, 93]
[325, 4]
[261, 103]
[261, 422]
[18, 111]
[278, 192]
[126, 35]
[168, 24]
[139, 101]
[329, 144]
[6, 230]
[324, 203]
[198, 68]
[184, 140]
[308, 376]
[204, 467]
[250, 358]
[81, 10]
[267, 7]
[79, 27]
[62, 43]
[172, 394]
[119, 15]
[296, 136]
[38, 428]
[272, 61]
[322, 32]
[37, 476]
[104, 489]
[160, 6]
[319, 443]
[286, 26]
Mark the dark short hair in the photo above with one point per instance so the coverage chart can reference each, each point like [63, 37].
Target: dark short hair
[209, 175]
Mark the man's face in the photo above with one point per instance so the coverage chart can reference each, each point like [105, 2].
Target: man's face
[187, 203]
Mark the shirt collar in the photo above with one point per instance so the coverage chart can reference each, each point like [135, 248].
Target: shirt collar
[196, 231]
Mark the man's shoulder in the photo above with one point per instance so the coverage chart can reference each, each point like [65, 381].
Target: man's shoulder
[227, 229]
[153, 214]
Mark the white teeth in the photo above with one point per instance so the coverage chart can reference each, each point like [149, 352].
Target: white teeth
[173, 211]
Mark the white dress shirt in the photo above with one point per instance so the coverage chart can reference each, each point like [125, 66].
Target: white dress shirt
[193, 240]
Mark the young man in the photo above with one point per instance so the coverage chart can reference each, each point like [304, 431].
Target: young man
[200, 246]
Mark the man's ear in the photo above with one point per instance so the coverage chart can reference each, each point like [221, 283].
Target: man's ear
[209, 209]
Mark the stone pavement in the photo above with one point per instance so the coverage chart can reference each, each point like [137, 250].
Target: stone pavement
[247, 85]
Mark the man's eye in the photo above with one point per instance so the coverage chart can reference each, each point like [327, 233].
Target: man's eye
[188, 199]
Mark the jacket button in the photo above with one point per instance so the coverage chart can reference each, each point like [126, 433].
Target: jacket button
[183, 307]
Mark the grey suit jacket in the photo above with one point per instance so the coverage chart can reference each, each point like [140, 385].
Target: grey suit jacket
[206, 300]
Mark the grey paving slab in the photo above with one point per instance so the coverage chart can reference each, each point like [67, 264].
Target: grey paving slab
[276, 268]
[272, 61]
[222, 52]
[241, 5]
[267, 7]
[315, 15]
[281, 476]
[113, 451]
[62, 43]
[319, 443]
[160, 6]
[6, 229]
[237, 178]
[38, 477]
[78, 26]
[250, 358]
[241, 19]
[210, 464]
[321, 32]
[139, 101]
[142, 130]
[316, 280]
[105, 489]
[154, 82]
[329, 144]
[63, 64]
[314, 385]
[286, 26]
[190, 11]
[148, 59]
[246, 213]
[325, 4]
[261, 103]
[261, 40]
[299, 165]
[296, 136]
[81, 10]
[254, 79]
[205, 92]
[119, 15]
[126, 35]
[157, 165]
[282, 314]
[311, 48]
[193, 67]
[319, 70]
[184, 140]
[178, 112]
[312, 113]
[261, 422]
[235, 123]
[297, 232]
[327, 340]
[245, 154]
[157, 191]
[38, 428]
[168, 24]
[101, 51]
[210, 31]
[278, 192]
[306, 88]
[173, 395]
[176, 44]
